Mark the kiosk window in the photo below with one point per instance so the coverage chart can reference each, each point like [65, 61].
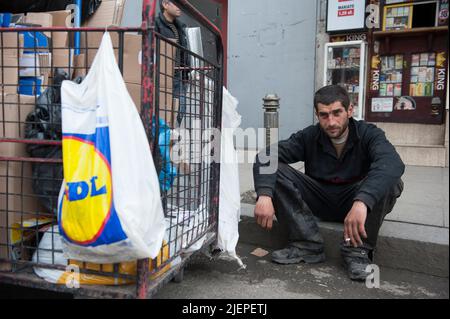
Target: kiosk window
[391, 76]
[424, 15]
[422, 74]
[411, 15]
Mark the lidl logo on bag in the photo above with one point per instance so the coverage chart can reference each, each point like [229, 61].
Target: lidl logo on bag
[81, 190]
[87, 214]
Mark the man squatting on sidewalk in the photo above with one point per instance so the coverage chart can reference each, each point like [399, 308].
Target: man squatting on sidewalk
[352, 176]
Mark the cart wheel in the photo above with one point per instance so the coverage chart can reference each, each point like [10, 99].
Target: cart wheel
[179, 276]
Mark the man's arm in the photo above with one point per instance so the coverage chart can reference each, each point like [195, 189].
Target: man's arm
[289, 151]
[385, 170]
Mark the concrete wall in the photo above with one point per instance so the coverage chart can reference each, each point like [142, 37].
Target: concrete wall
[446, 141]
[446, 124]
[132, 14]
[322, 38]
[272, 50]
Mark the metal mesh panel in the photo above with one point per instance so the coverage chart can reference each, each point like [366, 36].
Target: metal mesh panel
[185, 112]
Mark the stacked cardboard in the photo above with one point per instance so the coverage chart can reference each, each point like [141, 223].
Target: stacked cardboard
[17, 199]
[10, 53]
[41, 19]
[62, 55]
[108, 14]
[132, 75]
[14, 109]
[132, 64]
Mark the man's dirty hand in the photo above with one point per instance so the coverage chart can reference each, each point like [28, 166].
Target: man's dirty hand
[264, 212]
[354, 224]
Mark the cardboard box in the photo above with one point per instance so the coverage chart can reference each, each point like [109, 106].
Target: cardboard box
[61, 18]
[15, 109]
[167, 111]
[45, 62]
[109, 13]
[10, 53]
[42, 19]
[17, 199]
[79, 65]
[17, 203]
[9, 75]
[166, 64]
[131, 54]
[35, 42]
[12, 44]
[135, 92]
[64, 59]
[132, 58]
[29, 65]
[60, 40]
[132, 71]
[39, 18]
[90, 42]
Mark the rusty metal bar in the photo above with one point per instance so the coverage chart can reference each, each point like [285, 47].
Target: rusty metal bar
[147, 98]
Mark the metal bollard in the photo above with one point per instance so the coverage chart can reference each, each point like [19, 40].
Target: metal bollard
[271, 118]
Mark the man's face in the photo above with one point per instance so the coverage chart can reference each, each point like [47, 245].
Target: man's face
[172, 9]
[333, 118]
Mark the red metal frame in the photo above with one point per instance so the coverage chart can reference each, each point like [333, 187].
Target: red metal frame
[224, 28]
[148, 94]
[144, 285]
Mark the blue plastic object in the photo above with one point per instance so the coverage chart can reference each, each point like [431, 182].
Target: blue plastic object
[168, 170]
[30, 86]
[5, 19]
[33, 41]
[78, 3]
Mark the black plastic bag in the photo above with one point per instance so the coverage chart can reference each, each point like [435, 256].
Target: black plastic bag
[44, 123]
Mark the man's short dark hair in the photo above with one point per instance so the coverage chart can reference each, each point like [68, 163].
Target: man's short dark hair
[331, 94]
[161, 2]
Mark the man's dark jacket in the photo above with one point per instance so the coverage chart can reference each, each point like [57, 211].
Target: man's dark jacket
[368, 157]
[162, 27]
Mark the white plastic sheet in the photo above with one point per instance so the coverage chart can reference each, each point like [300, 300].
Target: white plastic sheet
[230, 196]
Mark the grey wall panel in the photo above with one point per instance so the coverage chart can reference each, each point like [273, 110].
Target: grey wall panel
[272, 50]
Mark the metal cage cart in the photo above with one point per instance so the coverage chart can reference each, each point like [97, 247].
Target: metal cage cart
[179, 96]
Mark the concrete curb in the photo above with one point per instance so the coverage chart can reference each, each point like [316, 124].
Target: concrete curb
[418, 248]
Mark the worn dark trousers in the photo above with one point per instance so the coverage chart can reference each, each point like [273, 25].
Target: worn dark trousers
[299, 200]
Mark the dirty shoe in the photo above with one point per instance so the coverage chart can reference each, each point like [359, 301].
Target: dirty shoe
[356, 261]
[295, 255]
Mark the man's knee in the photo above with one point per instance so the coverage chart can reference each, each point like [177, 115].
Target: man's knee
[387, 203]
[286, 172]
[286, 180]
[396, 190]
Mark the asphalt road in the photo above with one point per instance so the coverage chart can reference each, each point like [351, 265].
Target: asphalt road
[216, 279]
[206, 278]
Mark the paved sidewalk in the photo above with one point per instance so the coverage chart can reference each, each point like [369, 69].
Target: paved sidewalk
[215, 279]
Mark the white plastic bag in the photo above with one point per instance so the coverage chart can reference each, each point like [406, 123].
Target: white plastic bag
[49, 252]
[109, 205]
[230, 196]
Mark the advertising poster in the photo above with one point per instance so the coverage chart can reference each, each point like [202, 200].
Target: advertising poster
[345, 15]
[382, 104]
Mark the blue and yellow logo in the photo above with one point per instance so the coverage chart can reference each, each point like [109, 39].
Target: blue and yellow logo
[87, 216]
